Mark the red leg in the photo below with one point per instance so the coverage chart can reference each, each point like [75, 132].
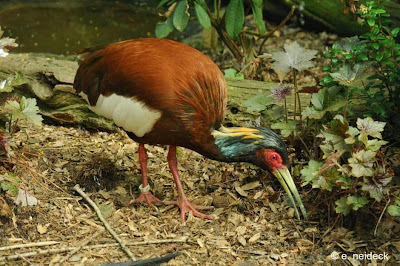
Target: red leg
[146, 195]
[184, 204]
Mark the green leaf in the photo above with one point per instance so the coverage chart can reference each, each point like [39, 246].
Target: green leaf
[348, 75]
[294, 57]
[6, 186]
[375, 45]
[389, 63]
[377, 187]
[286, 128]
[335, 137]
[379, 57]
[394, 210]
[258, 3]
[362, 57]
[325, 100]
[342, 206]
[395, 31]
[347, 44]
[309, 173]
[374, 144]
[257, 103]
[165, 28]
[234, 18]
[181, 15]
[371, 127]
[371, 22]
[162, 2]
[202, 16]
[258, 17]
[356, 202]
[30, 111]
[362, 162]
[232, 73]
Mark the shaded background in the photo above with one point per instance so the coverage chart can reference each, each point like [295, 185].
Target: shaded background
[65, 26]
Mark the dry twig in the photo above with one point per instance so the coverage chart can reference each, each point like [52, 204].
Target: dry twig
[79, 247]
[61, 250]
[106, 225]
[29, 245]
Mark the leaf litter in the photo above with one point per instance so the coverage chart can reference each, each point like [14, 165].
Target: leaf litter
[253, 224]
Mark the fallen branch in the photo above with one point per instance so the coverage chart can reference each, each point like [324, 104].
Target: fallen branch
[61, 250]
[29, 245]
[106, 225]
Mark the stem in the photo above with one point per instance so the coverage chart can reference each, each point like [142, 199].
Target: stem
[10, 125]
[286, 111]
[305, 146]
[347, 102]
[297, 96]
[215, 10]
[315, 140]
[216, 23]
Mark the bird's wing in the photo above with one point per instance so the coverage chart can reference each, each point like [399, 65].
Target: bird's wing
[168, 76]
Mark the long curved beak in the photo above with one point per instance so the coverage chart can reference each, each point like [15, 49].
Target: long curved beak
[286, 180]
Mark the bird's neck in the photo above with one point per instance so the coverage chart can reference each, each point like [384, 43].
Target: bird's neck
[235, 144]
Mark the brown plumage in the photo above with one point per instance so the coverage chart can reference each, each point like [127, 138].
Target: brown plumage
[164, 92]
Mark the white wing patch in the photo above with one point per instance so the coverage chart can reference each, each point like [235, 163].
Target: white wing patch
[128, 113]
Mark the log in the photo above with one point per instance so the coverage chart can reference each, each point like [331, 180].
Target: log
[50, 80]
[325, 15]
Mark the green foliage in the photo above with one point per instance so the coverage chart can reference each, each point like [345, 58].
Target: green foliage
[8, 182]
[234, 18]
[15, 111]
[353, 165]
[379, 50]
[181, 15]
[202, 16]
[8, 84]
[165, 28]
[227, 22]
[286, 128]
[325, 100]
[394, 209]
[257, 103]
[258, 15]
[232, 73]
[294, 57]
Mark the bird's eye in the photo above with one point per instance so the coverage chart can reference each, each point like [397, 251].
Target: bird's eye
[274, 157]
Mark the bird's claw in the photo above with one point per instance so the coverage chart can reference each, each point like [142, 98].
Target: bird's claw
[148, 198]
[186, 206]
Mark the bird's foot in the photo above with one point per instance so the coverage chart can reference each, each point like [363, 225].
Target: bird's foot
[186, 206]
[146, 196]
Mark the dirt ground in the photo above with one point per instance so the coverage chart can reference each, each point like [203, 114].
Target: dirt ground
[252, 225]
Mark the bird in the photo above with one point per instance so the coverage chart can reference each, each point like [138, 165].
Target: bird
[164, 92]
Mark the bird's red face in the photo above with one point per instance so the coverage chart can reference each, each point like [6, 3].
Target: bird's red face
[271, 159]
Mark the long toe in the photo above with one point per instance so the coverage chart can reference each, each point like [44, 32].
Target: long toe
[186, 206]
[148, 198]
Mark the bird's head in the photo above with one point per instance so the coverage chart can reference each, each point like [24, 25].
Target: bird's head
[261, 147]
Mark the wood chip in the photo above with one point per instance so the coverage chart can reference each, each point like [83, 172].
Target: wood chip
[251, 185]
[254, 238]
[241, 192]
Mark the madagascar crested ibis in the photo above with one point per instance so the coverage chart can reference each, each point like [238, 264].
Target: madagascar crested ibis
[165, 92]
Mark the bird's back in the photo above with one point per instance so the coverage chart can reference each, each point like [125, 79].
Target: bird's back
[160, 91]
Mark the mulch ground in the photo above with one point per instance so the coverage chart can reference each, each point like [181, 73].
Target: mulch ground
[252, 225]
